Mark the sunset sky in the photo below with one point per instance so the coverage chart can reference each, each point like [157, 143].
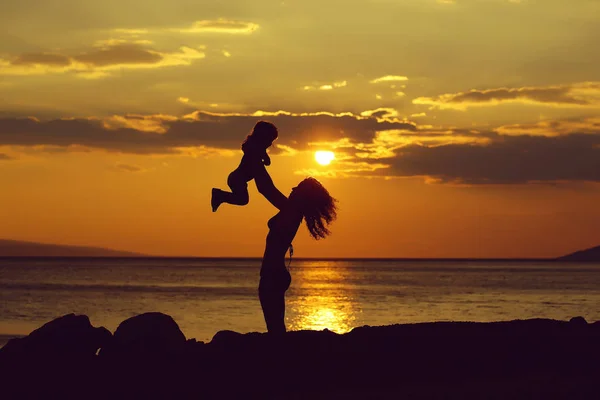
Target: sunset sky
[465, 128]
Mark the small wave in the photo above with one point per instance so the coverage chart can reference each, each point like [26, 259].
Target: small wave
[230, 290]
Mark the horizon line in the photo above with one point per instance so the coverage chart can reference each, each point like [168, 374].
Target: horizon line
[410, 259]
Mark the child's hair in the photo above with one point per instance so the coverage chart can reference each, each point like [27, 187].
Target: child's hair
[263, 132]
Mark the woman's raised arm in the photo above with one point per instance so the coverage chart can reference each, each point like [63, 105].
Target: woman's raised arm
[267, 188]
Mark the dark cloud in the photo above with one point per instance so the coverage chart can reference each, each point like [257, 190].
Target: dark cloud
[163, 134]
[51, 59]
[506, 160]
[578, 94]
[369, 146]
[78, 132]
[129, 167]
[99, 61]
[590, 125]
[542, 95]
[120, 54]
[295, 130]
[549, 152]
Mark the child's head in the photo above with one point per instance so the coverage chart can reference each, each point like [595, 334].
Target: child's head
[264, 132]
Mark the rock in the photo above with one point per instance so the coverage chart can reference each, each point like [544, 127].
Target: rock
[587, 255]
[149, 357]
[226, 337]
[578, 321]
[151, 333]
[68, 337]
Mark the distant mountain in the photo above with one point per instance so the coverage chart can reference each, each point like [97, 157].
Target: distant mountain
[592, 254]
[16, 248]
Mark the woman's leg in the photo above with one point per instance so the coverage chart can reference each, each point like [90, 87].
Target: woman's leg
[271, 292]
[273, 306]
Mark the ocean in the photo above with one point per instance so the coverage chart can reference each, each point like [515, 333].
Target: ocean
[205, 296]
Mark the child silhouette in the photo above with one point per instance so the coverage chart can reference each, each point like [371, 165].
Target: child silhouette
[255, 151]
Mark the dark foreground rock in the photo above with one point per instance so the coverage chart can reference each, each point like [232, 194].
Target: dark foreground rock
[539, 358]
[145, 335]
[70, 337]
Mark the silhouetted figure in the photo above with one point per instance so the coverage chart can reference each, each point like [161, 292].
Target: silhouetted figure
[255, 152]
[309, 201]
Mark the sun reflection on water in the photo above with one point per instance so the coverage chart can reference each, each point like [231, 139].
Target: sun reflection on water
[319, 301]
[318, 313]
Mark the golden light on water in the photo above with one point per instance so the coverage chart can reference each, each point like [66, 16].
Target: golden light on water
[324, 157]
[318, 313]
[322, 303]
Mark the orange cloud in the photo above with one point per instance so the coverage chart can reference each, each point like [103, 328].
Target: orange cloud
[327, 86]
[220, 25]
[143, 123]
[346, 169]
[131, 32]
[286, 150]
[204, 105]
[114, 42]
[386, 143]
[389, 78]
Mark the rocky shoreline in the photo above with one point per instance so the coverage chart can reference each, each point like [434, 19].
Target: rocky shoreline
[149, 357]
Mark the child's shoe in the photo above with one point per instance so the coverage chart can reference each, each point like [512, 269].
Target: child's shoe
[215, 200]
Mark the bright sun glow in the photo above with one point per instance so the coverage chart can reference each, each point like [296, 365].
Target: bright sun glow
[324, 157]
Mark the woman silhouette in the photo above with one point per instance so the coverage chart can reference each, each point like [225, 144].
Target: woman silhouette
[309, 201]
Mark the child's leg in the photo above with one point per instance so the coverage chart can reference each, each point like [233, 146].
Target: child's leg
[238, 195]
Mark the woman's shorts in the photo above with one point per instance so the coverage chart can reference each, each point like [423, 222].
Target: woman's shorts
[275, 281]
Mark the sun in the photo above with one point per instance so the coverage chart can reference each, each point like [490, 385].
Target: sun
[324, 157]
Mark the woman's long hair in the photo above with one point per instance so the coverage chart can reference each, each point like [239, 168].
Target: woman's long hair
[317, 206]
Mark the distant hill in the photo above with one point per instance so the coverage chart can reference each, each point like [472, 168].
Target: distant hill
[16, 248]
[592, 254]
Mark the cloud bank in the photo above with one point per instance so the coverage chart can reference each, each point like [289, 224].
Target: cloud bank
[99, 61]
[374, 143]
[584, 94]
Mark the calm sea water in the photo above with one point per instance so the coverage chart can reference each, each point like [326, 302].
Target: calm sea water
[205, 296]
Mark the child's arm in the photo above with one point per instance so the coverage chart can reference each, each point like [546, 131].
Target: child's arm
[265, 158]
